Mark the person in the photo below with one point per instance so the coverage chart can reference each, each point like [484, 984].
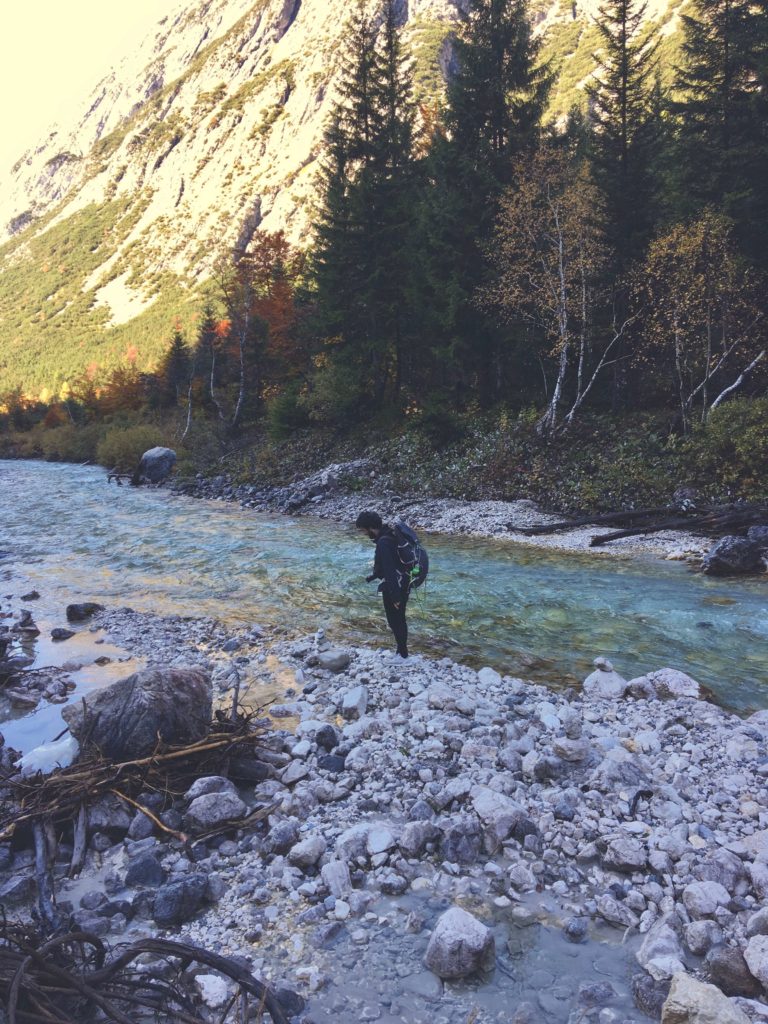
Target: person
[386, 567]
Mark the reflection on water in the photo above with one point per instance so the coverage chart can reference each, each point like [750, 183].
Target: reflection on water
[543, 615]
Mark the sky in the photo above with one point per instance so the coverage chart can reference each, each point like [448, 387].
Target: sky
[54, 52]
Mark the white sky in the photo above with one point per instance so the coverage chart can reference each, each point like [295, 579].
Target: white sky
[54, 52]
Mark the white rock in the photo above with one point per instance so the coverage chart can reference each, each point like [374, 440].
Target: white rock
[379, 840]
[671, 683]
[497, 812]
[335, 874]
[459, 946]
[489, 677]
[702, 899]
[604, 684]
[213, 990]
[308, 852]
[756, 955]
[354, 703]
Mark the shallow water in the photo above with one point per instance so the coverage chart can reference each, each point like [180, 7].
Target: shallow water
[541, 614]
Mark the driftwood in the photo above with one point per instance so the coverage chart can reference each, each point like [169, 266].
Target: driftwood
[75, 977]
[718, 522]
[707, 519]
[60, 796]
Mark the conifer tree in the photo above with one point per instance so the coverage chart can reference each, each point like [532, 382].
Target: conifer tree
[174, 370]
[723, 116]
[361, 260]
[626, 126]
[492, 116]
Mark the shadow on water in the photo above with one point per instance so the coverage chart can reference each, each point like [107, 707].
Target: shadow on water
[540, 614]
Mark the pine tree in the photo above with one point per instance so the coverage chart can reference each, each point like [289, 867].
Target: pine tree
[626, 126]
[492, 116]
[361, 259]
[723, 116]
[174, 371]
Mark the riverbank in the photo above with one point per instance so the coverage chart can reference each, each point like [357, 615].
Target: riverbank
[607, 838]
[341, 491]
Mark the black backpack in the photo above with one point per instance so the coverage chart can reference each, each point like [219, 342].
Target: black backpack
[412, 554]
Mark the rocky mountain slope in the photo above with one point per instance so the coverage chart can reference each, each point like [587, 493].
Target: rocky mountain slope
[211, 129]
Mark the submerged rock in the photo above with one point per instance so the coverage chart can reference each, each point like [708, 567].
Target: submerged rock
[83, 611]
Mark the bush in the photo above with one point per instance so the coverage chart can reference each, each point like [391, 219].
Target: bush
[285, 415]
[122, 447]
[440, 424]
[730, 452]
[70, 443]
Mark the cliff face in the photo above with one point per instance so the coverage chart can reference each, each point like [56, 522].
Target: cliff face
[211, 129]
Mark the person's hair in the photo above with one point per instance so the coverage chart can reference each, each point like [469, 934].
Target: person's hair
[369, 521]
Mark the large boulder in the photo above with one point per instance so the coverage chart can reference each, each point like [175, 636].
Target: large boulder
[459, 946]
[124, 720]
[733, 556]
[692, 1002]
[156, 465]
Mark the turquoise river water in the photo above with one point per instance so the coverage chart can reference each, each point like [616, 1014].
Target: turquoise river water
[528, 612]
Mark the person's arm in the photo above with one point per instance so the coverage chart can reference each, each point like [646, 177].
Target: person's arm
[386, 562]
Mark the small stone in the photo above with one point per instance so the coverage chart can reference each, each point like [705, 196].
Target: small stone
[145, 870]
[61, 634]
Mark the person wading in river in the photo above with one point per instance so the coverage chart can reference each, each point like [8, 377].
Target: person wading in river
[394, 584]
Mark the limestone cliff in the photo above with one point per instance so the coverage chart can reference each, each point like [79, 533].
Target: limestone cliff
[211, 129]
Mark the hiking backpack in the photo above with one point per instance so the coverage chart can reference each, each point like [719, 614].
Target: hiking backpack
[412, 554]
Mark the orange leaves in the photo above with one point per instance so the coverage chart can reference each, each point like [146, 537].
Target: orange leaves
[222, 328]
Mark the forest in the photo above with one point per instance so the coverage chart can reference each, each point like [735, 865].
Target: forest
[477, 270]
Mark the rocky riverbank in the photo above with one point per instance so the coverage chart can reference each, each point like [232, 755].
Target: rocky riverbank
[341, 491]
[451, 845]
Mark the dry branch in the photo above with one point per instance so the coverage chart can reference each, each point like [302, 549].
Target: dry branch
[59, 797]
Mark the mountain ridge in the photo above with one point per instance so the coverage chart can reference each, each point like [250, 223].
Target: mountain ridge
[210, 130]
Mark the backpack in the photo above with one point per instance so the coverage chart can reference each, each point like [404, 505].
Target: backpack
[413, 556]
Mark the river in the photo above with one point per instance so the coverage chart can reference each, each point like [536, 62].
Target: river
[540, 614]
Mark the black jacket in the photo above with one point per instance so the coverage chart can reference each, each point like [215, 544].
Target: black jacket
[387, 567]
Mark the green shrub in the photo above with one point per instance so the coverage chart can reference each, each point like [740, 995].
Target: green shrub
[122, 447]
[286, 414]
[70, 443]
[729, 453]
[440, 424]
[337, 397]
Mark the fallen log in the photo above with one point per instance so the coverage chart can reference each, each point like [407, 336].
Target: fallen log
[593, 520]
[718, 522]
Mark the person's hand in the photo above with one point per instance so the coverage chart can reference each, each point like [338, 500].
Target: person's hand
[369, 579]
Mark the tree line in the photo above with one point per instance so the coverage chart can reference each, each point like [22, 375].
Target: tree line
[470, 254]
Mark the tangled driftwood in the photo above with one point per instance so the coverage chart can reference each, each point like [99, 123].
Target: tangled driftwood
[54, 807]
[75, 978]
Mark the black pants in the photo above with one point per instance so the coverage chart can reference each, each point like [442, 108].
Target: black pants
[397, 623]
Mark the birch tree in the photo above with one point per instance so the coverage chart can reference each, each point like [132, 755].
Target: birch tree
[548, 251]
[704, 314]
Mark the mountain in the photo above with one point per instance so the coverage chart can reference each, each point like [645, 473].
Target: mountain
[208, 131]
